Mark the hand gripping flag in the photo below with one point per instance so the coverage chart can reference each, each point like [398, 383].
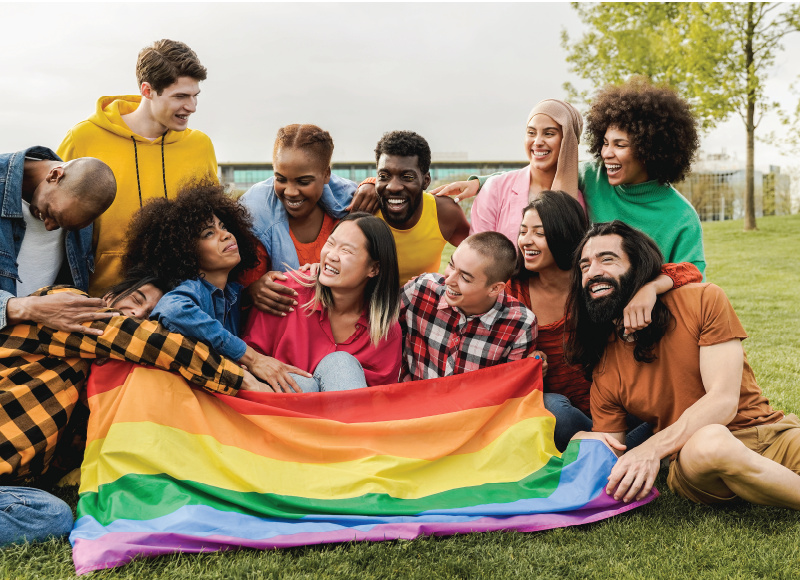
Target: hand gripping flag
[172, 468]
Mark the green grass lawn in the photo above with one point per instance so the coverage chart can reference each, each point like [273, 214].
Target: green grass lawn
[668, 538]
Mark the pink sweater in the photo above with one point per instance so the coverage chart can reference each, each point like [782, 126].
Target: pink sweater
[301, 340]
[498, 207]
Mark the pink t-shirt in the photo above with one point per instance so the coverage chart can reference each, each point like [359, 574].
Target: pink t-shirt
[499, 206]
[303, 341]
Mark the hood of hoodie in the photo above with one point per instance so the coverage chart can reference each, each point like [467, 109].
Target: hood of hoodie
[108, 116]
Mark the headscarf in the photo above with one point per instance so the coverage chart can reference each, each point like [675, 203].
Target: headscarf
[571, 128]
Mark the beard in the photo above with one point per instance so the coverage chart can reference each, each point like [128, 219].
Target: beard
[609, 307]
[393, 218]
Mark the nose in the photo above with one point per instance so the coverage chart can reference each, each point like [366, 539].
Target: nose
[192, 105]
[451, 277]
[50, 224]
[606, 152]
[394, 185]
[595, 269]
[226, 235]
[539, 140]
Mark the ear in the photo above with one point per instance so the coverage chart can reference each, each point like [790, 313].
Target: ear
[328, 174]
[426, 181]
[146, 90]
[55, 175]
[496, 288]
[374, 270]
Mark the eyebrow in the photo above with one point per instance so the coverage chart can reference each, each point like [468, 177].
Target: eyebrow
[545, 129]
[463, 273]
[309, 176]
[599, 255]
[141, 294]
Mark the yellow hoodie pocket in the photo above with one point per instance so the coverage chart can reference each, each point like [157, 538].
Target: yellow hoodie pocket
[107, 272]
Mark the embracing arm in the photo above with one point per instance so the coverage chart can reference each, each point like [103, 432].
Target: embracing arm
[637, 313]
[453, 223]
[147, 342]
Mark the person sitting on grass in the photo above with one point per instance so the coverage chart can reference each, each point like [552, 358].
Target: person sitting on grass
[686, 374]
[200, 247]
[294, 212]
[552, 135]
[464, 321]
[346, 330]
[552, 227]
[643, 138]
[42, 373]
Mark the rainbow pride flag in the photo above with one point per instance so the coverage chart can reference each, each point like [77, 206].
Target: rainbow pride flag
[171, 468]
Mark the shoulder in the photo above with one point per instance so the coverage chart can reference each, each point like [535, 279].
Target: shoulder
[188, 289]
[684, 208]
[446, 208]
[304, 293]
[198, 138]
[259, 191]
[514, 310]
[426, 285]
[693, 297]
[502, 181]
[590, 170]
[82, 128]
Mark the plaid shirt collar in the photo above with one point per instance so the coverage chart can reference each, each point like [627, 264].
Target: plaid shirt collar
[487, 319]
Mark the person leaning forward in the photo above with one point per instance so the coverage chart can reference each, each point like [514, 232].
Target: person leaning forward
[686, 374]
[47, 210]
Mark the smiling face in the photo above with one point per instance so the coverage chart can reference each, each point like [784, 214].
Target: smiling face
[621, 164]
[605, 276]
[400, 184]
[216, 248]
[139, 303]
[299, 181]
[344, 260]
[175, 104]
[467, 286]
[533, 243]
[543, 142]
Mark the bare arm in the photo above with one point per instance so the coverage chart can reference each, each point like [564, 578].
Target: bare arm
[65, 311]
[721, 371]
[453, 223]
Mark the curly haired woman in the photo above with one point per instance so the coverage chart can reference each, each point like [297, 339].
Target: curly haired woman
[201, 245]
[643, 138]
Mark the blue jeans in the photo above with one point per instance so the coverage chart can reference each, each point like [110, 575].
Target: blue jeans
[570, 420]
[339, 371]
[28, 514]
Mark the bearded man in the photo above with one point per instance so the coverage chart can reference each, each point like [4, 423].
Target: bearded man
[686, 374]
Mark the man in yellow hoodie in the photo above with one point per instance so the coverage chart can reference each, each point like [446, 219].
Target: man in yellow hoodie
[147, 143]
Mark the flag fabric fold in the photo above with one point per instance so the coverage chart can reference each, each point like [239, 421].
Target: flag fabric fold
[172, 468]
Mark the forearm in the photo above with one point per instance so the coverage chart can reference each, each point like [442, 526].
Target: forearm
[483, 178]
[5, 298]
[147, 342]
[711, 409]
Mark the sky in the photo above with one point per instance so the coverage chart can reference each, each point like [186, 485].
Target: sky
[463, 75]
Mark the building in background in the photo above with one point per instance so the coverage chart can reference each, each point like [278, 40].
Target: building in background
[242, 176]
[717, 183]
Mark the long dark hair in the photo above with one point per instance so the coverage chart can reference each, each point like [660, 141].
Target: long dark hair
[586, 339]
[381, 294]
[564, 223]
[136, 277]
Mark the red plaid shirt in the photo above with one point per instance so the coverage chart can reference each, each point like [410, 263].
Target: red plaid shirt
[440, 341]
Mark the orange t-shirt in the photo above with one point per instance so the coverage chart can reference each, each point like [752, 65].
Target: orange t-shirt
[309, 253]
[306, 253]
[659, 392]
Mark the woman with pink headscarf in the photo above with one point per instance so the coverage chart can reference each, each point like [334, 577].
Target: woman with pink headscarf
[552, 134]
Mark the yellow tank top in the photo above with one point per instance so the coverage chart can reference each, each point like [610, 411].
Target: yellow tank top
[419, 250]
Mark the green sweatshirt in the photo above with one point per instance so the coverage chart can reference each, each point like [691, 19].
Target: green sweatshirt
[657, 210]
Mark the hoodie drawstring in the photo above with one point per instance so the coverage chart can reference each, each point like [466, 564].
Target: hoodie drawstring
[163, 166]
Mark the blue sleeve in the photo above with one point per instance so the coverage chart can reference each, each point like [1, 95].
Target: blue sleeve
[180, 313]
[337, 195]
[4, 298]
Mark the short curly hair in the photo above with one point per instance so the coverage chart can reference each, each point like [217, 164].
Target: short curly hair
[163, 235]
[405, 144]
[660, 125]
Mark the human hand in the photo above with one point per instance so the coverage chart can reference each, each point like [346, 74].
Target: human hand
[251, 383]
[272, 371]
[634, 474]
[64, 311]
[272, 297]
[364, 199]
[538, 354]
[311, 270]
[638, 313]
[459, 191]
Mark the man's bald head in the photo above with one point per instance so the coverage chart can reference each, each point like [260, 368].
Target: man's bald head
[74, 194]
[92, 182]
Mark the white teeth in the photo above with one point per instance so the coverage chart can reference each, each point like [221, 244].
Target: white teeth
[613, 168]
[600, 288]
[331, 270]
[540, 153]
[532, 252]
[294, 204]
[395, 201]
[452, 292]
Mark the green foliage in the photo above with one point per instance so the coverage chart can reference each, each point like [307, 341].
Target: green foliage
[667, 539]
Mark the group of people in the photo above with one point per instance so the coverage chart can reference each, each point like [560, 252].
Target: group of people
[124, 245]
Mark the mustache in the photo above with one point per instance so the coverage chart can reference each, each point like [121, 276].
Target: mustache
[604, 279]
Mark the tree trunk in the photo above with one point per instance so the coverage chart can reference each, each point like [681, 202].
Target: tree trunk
[749, 192]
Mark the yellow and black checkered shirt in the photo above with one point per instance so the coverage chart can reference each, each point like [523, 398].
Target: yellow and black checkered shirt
[43, 370]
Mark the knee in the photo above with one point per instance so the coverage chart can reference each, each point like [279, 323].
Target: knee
[336, 361]
[30, 514]
[555, 401]
[712, 449]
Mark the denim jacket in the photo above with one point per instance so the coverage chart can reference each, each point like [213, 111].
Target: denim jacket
[12, 229]
[200, 310]
[271, 222]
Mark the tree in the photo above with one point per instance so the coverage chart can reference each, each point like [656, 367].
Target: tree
[716, 54]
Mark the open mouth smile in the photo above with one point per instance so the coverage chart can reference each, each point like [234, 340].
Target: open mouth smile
[600, 289]
[294, 204]
[532, 254]
[396, 203]
[613, 168]
[330, 270]
[541, 154]
[453, 293]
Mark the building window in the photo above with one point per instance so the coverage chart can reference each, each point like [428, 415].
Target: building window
[251, 175]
